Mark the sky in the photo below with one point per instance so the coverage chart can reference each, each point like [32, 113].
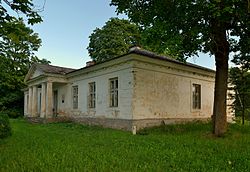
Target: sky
[66, 28]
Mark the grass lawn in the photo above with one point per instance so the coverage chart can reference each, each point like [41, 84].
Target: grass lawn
[74, 147]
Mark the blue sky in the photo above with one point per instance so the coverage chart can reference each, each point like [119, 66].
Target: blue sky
[67, 25]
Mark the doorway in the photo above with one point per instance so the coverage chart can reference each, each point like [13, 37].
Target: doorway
[55, 102]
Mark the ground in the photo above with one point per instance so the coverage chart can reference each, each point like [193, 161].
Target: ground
[74, 147]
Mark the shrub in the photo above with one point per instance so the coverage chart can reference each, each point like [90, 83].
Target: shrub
[14, 112]
[5, 129]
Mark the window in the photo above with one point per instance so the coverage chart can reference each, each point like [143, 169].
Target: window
[113, 92]
[75, 97]
[196, 96]
[91, 98]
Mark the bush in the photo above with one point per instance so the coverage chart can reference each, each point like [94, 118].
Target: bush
[5, 129]
[14, 112]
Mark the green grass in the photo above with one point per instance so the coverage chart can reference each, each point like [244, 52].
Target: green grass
[74, 147]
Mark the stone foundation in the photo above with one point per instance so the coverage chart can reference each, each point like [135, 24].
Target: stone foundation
[128, 125]
[121, 124]
[146, 123]
[47, 120]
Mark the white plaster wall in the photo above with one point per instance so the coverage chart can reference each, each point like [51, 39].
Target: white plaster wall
[166, 92]
[101, 77]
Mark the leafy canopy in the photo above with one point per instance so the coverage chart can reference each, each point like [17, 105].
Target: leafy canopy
[16, 56]
[184, 27]
[17, 51]
[113, 39]
[17, 45]
[25, 7]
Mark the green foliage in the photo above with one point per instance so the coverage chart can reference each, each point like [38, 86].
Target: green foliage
[73, 147]
[25, 7]
[17, 49]
[186, 27]
[113, 39]
[5, 129]
[17, 46]
[11, 100]
[14, 112]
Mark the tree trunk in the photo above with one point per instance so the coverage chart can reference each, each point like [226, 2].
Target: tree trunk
[220, 96]
[221, 52]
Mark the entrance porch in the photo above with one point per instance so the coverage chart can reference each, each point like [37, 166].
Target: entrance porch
[41, 100]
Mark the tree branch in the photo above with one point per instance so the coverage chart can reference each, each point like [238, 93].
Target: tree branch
[7, 2]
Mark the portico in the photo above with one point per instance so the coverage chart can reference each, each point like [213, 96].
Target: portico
[39, 98]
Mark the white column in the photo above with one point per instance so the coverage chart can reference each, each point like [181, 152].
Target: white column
[49, 100]
[25, 104]
[30, 102]
[43, 100]
[34, 101]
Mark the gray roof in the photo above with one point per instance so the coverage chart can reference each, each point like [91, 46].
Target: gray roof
[137, 50]
[54, 69]
[149, 54]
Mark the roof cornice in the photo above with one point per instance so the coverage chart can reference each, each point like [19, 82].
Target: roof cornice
[129, 57]
[136, 50]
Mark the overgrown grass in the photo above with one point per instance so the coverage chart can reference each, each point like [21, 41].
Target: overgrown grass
[74, 147]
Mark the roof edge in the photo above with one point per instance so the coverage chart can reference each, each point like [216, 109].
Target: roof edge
[150, 54]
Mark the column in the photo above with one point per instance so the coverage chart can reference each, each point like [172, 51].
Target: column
[25, 104]
[30, 102]
[49, 98]
[43, 100]
[34, 101]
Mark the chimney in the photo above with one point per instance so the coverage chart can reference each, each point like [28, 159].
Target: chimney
[134, 48]
[90, 63]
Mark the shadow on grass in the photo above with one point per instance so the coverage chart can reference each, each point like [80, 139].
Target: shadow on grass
[195, 127]
[190, 127]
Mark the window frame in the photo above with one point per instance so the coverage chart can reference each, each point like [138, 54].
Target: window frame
[92, 95]
[196, 96]
[113, 92]
[75, 96]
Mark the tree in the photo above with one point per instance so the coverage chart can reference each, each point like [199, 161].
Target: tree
[17, 46]
[17, 49]
[113, 39]
[189, 26]
[16, 56]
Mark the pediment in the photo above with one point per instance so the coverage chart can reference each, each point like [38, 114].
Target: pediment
[34, 72]
[37, 70]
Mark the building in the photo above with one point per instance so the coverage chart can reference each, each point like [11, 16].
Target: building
[138, 89]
